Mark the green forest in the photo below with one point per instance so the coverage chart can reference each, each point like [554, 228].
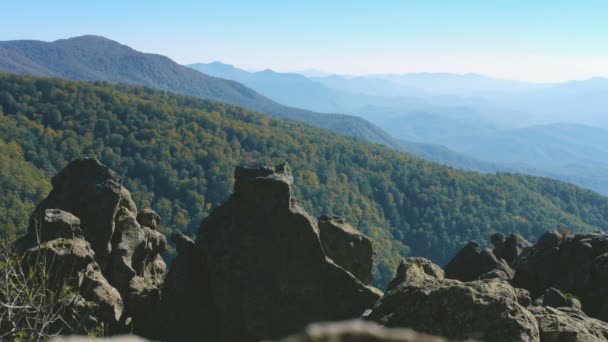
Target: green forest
[177, 155]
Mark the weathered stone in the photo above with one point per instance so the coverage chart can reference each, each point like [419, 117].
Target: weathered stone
[568, 325]
[358, 331]
[414, 271]
[472, 262]
[487, 310]
[190, 313]
[347, 247]
[92, 192]
[148, 218]
[498, 239]
[511, 247]
[263, 268]
[55, 224]
[555, 298]
[71, 262]
[123, 264]
[496, 274]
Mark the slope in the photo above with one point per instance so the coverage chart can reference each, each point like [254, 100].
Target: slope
[94, 58]
[177, 154]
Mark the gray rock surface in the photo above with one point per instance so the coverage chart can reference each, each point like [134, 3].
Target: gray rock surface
[263, 271]
[509, 248]
[472, 262]
[347, 247]
[425, 302]
[568, 325]
[89, 216]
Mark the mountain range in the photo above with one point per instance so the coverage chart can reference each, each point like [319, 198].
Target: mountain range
[541, 129]
[95, 58]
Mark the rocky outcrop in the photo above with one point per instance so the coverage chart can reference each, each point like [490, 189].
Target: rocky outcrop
[563, 273]
[88, 227]
[262, 267]
[347, 247]
[569, 263]
[425, 301]
[473, 262]
[415, 271]
[568, 324]
[358, 331]
[508, 248]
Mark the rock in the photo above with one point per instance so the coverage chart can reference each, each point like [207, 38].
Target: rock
[486, 310]
[567, 325]
[88, 205]
[498, 240]
[472, 262]
[71, 262]
[92, 192]
[555, 298]
[496, 274]
[191, 314]
[541, 266]
[183, 244]
[148, 218]
[510, 248]
[347, 247]
[55, 224]
[600, 269]
[415, 270]
[550, 239]
[264, 272]
[358, 331]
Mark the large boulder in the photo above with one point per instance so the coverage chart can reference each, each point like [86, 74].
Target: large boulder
[571, 263]
[71, 262]
[508, 248]
[424, 301]
[190, 313]
[472, 262]
[358, 331]
[88, 205]
[568, 325]
[90, 191]
[347, 247]
[265, 273]
[414, 271]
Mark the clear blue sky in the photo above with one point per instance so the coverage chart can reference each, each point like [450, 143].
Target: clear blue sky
[533, 40]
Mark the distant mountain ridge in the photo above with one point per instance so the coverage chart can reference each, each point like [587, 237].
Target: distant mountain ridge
[95, 58]
[492, 123]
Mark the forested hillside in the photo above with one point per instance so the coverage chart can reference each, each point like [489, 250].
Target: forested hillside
[178, 153]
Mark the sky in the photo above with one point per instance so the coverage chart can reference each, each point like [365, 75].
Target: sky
[538, 41]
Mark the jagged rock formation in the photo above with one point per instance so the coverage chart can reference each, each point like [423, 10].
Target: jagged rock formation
[262, 269]
[560, 270]
[508, 248]
[87, 229]
[424, 300]
[491, 310]
[473, 262]
[568, 324]
[347, 247]
[573, 264]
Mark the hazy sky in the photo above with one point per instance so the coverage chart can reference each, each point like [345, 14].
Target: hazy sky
[528, 40]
